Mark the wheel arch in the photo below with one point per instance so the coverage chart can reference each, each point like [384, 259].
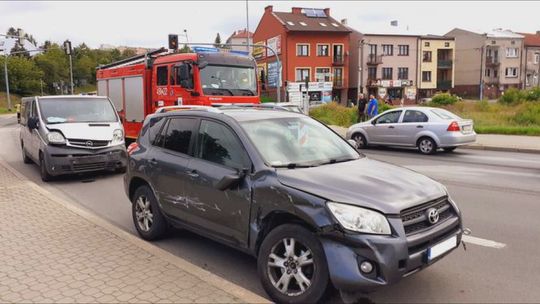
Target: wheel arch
[429, 134]
[360, 131]
[134, 184]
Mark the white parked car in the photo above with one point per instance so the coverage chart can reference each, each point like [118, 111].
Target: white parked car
[423, 127]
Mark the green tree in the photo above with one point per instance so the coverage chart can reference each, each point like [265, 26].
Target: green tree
[129, 52]
[24, 75]
[55, 66]
[217, 41]
[185, 49]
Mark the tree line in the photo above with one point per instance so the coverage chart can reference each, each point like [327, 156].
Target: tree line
[29, 74]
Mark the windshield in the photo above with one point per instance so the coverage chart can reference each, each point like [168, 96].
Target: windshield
[67, 110]
[228, 80]
[297, 141]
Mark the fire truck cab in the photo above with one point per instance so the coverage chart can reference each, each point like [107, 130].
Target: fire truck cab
[141, 84]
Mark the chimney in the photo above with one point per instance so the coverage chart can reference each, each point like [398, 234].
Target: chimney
[269, 9]
[296, 10]
[327, 12]
[344, 21]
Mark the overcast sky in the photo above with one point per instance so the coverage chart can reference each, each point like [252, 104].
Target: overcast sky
[147, 24]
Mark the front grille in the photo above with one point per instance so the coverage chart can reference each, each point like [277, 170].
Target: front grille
[90, 166]
[88, 143]
[415, 219]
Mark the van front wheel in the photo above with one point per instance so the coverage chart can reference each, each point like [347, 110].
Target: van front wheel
[45, 176]
[25, 157]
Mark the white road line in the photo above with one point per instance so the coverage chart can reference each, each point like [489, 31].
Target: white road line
[482, 242]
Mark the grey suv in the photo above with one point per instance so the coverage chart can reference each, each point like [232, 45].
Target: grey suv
[288, 190]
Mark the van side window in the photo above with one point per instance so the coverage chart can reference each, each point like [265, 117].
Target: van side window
[24, 112]
[34, 109]
[162, 74]
[178, 135]
[220, 145]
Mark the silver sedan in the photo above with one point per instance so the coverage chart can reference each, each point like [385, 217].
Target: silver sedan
[423, 127]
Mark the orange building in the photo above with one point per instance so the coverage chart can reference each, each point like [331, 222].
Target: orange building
[309, 44]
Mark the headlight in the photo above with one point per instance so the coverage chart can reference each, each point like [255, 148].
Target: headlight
[56, 138]
[359, 219]
[118, 136]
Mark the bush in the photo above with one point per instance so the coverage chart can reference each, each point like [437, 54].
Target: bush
[528, 115]
[533, 94]
[267, 99]
[444, 99]
[334, 114]
[512, 95]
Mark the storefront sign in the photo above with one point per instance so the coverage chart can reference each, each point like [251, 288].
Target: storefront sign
[410, 92]
[318, 91]
[258, 51]
[381, 92]
[275, 44]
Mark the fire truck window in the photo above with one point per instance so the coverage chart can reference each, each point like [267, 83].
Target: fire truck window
[162, 75]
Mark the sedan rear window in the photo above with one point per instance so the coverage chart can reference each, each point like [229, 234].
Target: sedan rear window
[444, 114]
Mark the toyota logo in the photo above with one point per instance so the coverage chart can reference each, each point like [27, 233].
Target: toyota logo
[433, 215]
[89, 143]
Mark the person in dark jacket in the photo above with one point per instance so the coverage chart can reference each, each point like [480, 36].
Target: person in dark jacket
[362, 102]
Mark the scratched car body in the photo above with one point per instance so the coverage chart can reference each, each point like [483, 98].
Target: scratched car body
[288, 190]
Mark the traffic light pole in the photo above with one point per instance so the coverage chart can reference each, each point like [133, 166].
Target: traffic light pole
[71, 72]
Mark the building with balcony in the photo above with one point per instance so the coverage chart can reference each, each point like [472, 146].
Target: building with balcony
[388, 66]
[435, 65]
[241, 37]
[486, 63]
[311, 45]
[531, 60]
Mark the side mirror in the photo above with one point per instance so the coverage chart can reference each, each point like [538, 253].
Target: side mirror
[353, 143]
[374, 122]
[33, 123]
[229, 181]
[183, 72]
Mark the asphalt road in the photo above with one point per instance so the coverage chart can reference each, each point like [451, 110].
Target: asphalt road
[498, 193]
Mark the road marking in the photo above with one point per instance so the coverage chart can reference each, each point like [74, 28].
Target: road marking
[482, 242]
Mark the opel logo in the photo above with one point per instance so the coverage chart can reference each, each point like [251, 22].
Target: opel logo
[89, 143]
[433, 215]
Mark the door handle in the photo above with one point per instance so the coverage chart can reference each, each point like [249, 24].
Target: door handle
[419, 126]
[153, 162]
[390, 127]
[192, 173]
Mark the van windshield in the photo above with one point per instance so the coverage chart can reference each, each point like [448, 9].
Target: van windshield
[228, 80]
[69, 110]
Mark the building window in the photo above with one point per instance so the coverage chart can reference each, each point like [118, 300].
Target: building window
[302, 73]
[338, 77]
[511, 52]
[322, 74]
[372, 73]
[427, 56]
[511, 72]
[447, 44]
[323, 50]
[495, 73]
[493, 42]
[373, 49]
[403, 50]
[536, 57]
[403, 73]
[426, 43]
[426, 76]
[488, 72]
[387, 73]
[302, 50]
[387, 49]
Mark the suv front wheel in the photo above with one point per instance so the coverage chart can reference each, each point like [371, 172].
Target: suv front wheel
[292, 265]
[147, 217]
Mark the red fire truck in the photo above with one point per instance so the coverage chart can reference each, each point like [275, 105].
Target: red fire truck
[139, 85]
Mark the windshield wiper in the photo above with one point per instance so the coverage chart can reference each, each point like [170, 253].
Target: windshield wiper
[334, 160]
[247, 90]
[292, 166]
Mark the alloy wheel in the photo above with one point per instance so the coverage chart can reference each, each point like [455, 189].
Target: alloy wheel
[291, 267]
[359, 141]
[426, 146]
[143, 213]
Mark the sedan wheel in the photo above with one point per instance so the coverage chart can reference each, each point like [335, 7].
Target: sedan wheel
[427, 146]
[360, 140]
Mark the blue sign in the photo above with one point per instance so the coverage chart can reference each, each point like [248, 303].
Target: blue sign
[273, 74]
[202, 49]
[243, 53]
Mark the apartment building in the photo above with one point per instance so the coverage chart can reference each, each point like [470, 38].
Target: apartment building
[531, 60]
[486, 64]
[241, 37]
[389, 66]
[436, 65]
[310, 44]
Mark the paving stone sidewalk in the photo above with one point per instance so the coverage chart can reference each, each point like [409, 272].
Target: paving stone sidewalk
[49, 253]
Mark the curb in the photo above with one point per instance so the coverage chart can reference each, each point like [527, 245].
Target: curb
[501, 149]
[204, 275]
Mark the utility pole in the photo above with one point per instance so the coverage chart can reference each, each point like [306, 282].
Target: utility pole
[68, 50]
[247, 26]
[7, 80]
[482, 73]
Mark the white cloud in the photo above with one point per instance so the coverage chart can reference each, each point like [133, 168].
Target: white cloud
[147, 24]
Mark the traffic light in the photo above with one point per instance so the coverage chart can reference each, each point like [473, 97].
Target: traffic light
[67, 47]
[173, 42]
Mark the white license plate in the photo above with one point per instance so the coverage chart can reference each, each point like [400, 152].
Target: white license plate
[442, 248]
[467, 128]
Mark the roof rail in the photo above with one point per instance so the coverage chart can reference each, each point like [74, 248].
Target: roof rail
[251, 105]
[185, 108]
[136, 58]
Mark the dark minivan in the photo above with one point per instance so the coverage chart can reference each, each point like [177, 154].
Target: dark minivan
[288, 190]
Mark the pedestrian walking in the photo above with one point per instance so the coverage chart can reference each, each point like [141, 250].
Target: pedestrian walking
[373, 107]
[362, 102]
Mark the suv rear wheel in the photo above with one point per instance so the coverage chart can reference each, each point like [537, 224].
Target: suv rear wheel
[148, 220]
[292, 266]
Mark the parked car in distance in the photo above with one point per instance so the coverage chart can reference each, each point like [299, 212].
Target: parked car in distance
[71, 134]
[426, 128]
[288, 190]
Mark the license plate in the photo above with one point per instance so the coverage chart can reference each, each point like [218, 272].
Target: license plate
[88, 159]
[442, 248]
[467, 128]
